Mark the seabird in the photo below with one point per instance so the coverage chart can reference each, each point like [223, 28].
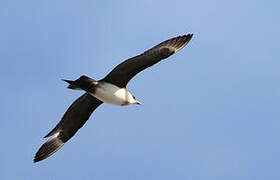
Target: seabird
[111, 89]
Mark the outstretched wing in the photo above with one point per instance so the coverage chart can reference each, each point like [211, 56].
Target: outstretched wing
[122, 73]
[73, 119]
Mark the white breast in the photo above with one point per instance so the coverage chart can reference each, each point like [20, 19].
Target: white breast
[112, 94]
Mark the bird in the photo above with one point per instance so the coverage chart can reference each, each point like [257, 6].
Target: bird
[111, 89]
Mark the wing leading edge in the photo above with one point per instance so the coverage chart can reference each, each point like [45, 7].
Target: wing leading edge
[125, 71]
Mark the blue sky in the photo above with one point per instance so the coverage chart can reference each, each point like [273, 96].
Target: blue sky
[211, 111]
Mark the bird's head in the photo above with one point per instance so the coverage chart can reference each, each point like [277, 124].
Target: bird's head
[133, 100]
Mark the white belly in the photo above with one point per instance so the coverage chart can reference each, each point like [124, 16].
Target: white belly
[112, 94]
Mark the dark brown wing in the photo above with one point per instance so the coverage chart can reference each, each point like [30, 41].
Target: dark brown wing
[73, 119]
[121, 74]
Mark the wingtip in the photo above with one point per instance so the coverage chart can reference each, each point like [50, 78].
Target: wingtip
[35, 160]
[189, 36]
[182, 41]
[48, 149]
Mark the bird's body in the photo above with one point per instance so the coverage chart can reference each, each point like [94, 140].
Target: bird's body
[111, 89]
[111, 94]
[104, 91]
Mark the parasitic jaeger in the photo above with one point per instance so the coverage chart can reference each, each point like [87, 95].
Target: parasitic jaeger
[111, 89]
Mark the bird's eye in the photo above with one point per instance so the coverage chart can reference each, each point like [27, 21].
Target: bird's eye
[133, 97]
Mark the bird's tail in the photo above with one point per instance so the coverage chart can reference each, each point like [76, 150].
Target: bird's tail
[82, 83]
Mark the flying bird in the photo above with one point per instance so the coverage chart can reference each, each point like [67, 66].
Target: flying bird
[111, 89]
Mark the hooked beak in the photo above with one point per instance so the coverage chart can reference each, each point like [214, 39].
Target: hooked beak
[137, 102]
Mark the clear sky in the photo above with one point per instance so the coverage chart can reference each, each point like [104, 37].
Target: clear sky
[211, 111]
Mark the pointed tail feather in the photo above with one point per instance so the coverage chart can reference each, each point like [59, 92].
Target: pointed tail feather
[72, 84]
[82, 83]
